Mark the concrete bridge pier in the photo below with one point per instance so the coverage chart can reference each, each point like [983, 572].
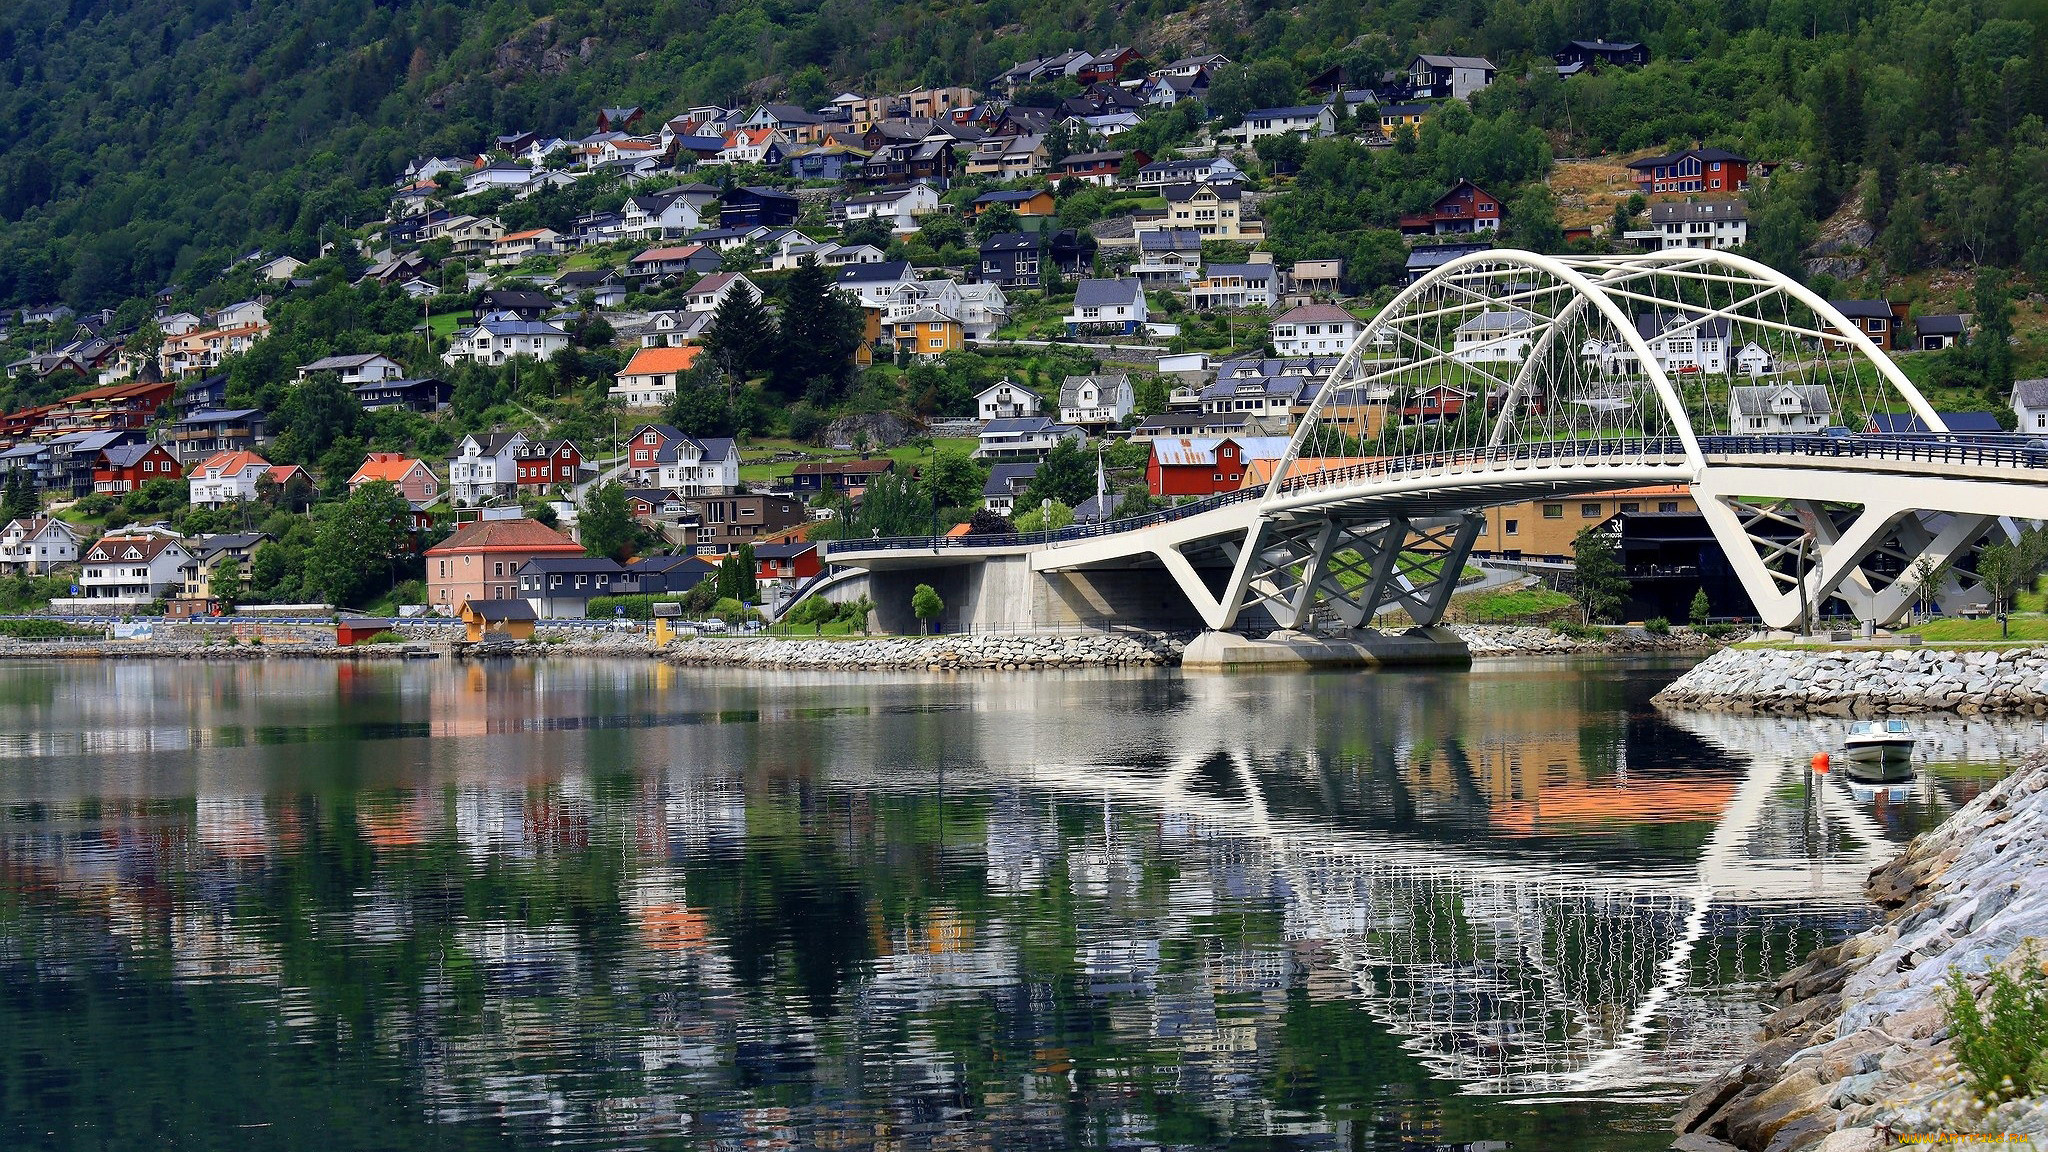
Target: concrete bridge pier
[1363, 648]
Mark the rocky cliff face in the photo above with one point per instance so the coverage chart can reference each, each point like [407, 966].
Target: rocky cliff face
[1858, 1055]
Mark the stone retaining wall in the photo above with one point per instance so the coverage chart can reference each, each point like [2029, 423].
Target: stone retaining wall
[1509, 640]
[1858, 1054]
[1865, 681]
[1006, 653]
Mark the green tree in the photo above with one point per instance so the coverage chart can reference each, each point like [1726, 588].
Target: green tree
[1702, 609]
[605, 522]
[926, 606]
[747, 589]
[1599, 584]
[313, 415]
[995, 220]
[953, 480]
[227, 585]
[1067, 475]
[1532, 220]
[821, 329]
[1045, 516]
[18, 499]
[358, 545]
[741, 334]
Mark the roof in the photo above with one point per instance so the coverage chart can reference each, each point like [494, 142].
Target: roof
[1201, 450]
[656, 361]
[1863, 308]
[1009, 479]
[226, 542]
[225, 415]
[1070, 388]
[787, 551]
[1316, 314]
[1170, 240]
[882, 270]
[1606, 45]
[1435, 61]
[1296, 112]
[841, 467]
[1431, 255]
[680, 252]
[1502, 320]
[1010, 242]
[232, 462]
[540, 565]
[1019, 424]
[498, 610]
[148, 545]
[2031, 393]
[126, 455]
[1708, 154]
[1650, 325]
[1097, 293]
[1942, 324]
[1010, 195]
[1749, 397]
[391, 466]
[343, 363]
[505, 536]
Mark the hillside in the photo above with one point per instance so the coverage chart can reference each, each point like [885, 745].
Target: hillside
[148, 141]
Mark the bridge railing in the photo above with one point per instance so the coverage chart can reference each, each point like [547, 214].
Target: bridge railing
[1982, 449]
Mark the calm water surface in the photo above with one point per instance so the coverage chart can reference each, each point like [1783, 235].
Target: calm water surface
[609, 904]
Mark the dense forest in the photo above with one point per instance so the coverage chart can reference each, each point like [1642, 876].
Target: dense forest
[145, 141]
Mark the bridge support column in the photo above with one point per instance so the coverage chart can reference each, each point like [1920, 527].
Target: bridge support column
[1358, 569]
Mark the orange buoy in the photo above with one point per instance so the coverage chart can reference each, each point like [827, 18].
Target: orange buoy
[1820, 763]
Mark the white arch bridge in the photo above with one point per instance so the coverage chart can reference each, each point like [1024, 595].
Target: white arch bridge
[1508, 376]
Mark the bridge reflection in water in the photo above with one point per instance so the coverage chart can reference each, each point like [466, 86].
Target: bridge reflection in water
[595, 902]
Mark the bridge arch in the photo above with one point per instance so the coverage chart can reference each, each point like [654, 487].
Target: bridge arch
[1594, 340]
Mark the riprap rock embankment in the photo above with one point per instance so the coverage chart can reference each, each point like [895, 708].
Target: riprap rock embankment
[1865, 681]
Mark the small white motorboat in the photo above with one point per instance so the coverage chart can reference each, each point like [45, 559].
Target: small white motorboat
[1874, 743]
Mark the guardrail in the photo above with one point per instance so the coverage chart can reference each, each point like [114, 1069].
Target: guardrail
[2010, 450]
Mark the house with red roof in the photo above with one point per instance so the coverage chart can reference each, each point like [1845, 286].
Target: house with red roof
[227, 477]
[649, 379]
[481, 561]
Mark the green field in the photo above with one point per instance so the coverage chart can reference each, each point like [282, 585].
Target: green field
[756, 467]
[1514, 606]
[2022, 626]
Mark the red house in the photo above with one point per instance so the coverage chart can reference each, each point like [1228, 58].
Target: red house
[123, 468]
[793, 561]
[1206, 465]
[1465, 208]
[546, 464]
[1436, 402]
[643, 451]
[1693, 170]
[1107, 65]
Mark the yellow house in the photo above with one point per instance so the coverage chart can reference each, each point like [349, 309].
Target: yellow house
[927, 332]
[1214, 210]
[1548, 528]
[1392, 116]
[512, 619]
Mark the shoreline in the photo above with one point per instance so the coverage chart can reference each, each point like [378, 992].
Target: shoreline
[1858, 1053]
[1866, 681]
[998, 651]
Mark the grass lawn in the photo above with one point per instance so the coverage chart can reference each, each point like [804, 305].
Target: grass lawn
[757, 468]
[2024, 626]
[444, 326]
[1513, 606]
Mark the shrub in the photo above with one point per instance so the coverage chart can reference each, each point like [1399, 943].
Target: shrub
[1657, 626]
[1575, 630]
[2006, 1051]
[42, 630]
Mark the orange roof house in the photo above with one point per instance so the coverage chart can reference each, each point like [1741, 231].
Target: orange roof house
[650, 380]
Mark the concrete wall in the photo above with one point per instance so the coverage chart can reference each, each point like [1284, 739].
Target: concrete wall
[1002, 593]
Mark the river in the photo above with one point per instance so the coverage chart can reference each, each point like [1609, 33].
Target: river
[619, 904]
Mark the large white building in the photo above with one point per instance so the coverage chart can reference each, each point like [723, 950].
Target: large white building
[133, 568]
[485, 466]
[1496, 336]
[501, 336]
[1772, 408]
[227, 478]
[1315, 330]
[36, 544]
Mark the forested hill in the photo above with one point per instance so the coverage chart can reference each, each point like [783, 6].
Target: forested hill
[143, 141]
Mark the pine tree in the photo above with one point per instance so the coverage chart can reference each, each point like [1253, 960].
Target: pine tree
[18, 498]
[741, 335]
[821, 328]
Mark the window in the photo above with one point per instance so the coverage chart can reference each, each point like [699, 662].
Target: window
[498, 570]
[1667, 506]
[1631, 507]
[1511, 527]
[1589, 510]
[1553, 511]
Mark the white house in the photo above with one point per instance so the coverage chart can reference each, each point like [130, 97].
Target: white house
[1315, 330]
[1235, 286]
[698, 466]
[673, 328]
[1168, 257]
[980, 308]
[1683, 343]
[484, 466]
[1436, 77]
[1096, 400]
[37, 544]
[1754, 362]
[370, 368]
[1004, 400]
[501, 336]
[1304, 120]
[1494, 337]
[242, 315]
[280, 269]
[1027, 437]
[133, 568]
[670, 212]
[2030, 404]
[899, 206]
[226, 478]
[1694, 224]
[1113, 306]
[873, 284]
[1215, 169]
[649, 379]
[1779, 408]
[708, 293]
